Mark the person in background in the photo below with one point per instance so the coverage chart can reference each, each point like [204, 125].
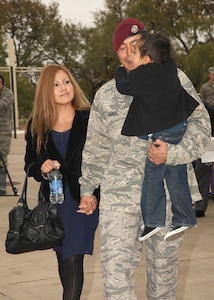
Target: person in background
[159, 110]
[207, 89]
[116, 163]
[203, 173]
[55, 136]
[6, 107]
[203, 170]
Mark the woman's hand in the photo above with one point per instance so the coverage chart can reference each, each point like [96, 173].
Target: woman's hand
[88, 204]
[157, 152]
[49, 165]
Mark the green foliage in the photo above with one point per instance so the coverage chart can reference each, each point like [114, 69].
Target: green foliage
[26, 91]
[98, 60]
[31, 25]
[203, 57]
[3, 53]
[189, 24]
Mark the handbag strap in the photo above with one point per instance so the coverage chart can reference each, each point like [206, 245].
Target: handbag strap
[40, 193]
[23, 197]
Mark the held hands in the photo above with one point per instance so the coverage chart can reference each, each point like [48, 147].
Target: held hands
[88, 204]
[157, 152]
[48, 165]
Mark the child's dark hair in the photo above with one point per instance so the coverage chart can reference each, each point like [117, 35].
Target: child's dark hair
[156, 46]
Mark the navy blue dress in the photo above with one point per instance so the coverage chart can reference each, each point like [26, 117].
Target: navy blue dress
[79, 228]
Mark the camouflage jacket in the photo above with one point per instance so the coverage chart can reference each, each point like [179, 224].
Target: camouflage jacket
[207, 92]
[116, 162]
[6, 101]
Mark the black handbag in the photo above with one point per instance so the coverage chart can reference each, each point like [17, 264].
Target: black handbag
[37, 229]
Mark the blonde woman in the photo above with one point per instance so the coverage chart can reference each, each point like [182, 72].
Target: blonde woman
[55, 137]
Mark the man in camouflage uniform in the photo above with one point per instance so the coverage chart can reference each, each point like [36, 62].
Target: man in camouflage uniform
[6, 101]
[116, 163]
[207, 89]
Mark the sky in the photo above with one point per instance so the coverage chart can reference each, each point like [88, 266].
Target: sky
[78, 10]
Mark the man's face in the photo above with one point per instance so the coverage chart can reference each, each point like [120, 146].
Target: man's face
[1, 85]
[211, 75]
[126, 51]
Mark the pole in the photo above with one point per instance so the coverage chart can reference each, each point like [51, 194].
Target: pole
[13, 84]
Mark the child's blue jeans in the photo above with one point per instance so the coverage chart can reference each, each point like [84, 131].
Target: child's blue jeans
[153, 199]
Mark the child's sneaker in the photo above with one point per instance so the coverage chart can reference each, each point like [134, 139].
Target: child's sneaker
[175, 232]
[148, 232]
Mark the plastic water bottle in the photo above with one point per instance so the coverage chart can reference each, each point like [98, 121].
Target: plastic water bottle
[56, 187]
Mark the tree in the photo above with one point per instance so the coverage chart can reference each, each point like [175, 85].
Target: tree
[3, 53]
[189, 24]
[203, 57]
[98, 59]
[39, 36]
[26, 89]
[29, 23]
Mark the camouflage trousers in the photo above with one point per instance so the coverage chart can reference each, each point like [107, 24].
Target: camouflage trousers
[5, 141]
[121, 254]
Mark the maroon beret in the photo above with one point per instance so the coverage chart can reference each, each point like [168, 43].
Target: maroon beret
[124, 29]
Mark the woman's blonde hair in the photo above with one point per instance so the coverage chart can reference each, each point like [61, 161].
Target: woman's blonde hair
[44, 114]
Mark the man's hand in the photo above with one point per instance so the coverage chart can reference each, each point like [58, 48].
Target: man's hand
[88, 204]
[157, 152]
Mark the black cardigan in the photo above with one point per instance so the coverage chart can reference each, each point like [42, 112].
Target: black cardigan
[70, 166]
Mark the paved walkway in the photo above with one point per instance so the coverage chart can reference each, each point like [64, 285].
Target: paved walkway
[33, 276]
